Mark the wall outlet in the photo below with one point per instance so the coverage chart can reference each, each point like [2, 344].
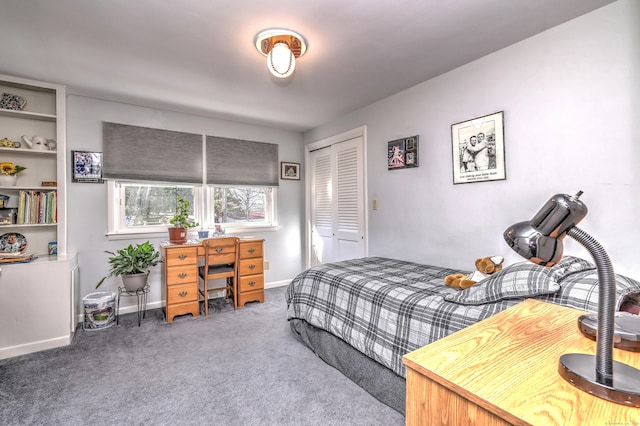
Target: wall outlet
[266, 266]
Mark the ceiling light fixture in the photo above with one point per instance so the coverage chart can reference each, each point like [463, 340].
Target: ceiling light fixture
[281, 47]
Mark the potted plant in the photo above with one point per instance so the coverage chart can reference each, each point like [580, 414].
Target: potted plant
[9, 173]
[132, 264]
[181, 222]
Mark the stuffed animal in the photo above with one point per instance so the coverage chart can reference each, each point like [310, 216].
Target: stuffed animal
[485, 266]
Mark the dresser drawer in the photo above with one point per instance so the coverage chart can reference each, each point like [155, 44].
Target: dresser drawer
[249, 250]
[181, 256]
[250, 296]
[182, 293]
[251, 266]
[251, 283]
[182, 275]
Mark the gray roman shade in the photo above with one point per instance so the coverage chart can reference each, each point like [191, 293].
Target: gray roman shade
[141, 153]
[240, 162]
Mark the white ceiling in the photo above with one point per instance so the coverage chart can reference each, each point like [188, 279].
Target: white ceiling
[198, 56]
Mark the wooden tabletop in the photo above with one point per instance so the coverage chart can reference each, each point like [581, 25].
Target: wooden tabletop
[508, 365]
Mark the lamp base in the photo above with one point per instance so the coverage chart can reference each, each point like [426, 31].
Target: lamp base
[580, 371]
[626, 330]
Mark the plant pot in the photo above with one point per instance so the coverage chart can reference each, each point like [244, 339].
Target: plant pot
[8, 180]
[133, 282]
[177, 235]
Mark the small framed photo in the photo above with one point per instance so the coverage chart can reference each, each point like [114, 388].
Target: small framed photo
[478, 149]
[402, 153]
[87, 166]
[289, 170]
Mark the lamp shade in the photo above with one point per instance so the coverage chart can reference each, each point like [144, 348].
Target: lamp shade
[531, 244]
[280, 60]
[540, 239]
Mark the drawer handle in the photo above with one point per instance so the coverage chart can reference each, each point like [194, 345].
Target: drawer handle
[252, 266]
[182, 275]
[183, 294]
[251, 250]
[182, 256]
[252, 283]
[218, 249]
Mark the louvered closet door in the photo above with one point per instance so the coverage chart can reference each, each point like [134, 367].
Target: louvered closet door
[348, 206]
[337, 202]
[321, 168]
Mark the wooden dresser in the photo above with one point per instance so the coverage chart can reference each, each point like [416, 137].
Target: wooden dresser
[503, 371]
[180, 280]
[251, 272]
[180, 275]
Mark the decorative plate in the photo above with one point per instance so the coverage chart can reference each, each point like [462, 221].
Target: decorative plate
[12, 242]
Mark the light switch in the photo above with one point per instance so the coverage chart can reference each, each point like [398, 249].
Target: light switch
[375, 204]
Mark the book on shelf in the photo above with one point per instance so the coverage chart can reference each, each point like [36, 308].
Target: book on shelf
[36, 207]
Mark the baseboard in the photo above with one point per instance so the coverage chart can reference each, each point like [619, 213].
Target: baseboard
[160, 303]
[275, 284]
[37, 346]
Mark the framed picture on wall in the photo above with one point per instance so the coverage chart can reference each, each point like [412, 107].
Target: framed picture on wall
[289, 170]
[87, 166]
[478, 149]
[402, 153]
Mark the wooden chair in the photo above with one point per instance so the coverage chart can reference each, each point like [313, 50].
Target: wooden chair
[221, 261]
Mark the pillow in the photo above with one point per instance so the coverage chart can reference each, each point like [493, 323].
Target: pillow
[520, 280]
[570, 265]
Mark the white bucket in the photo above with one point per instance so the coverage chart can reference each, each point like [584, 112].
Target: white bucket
[99, 310]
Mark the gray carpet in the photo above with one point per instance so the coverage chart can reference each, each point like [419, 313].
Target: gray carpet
[241, 367]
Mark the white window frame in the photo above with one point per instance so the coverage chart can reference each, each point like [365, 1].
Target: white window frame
[271, 211]
[203, 202]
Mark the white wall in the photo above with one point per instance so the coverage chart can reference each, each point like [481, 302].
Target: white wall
[571, 109]
[87, 203]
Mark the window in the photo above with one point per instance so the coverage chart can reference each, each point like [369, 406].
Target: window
[242, 207]
[147, 207]
[229, 182]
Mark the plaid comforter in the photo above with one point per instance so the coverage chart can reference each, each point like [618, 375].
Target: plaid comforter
[386, 308]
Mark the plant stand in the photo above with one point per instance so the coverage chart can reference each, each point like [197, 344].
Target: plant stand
[141, 294]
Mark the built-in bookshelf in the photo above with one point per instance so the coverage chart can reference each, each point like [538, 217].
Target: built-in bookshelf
[39, 292]
[35, 207]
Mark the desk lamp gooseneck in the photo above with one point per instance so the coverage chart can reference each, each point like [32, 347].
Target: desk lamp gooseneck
[540, 241]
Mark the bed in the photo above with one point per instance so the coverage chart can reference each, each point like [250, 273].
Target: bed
[361, 316]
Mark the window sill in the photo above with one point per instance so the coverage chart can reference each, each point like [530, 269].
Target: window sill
[192, 234]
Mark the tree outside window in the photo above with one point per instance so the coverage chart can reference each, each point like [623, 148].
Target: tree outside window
[153, 205]
[240, 204]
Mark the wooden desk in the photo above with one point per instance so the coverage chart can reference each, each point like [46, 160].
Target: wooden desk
[504, 370]
[180, 275]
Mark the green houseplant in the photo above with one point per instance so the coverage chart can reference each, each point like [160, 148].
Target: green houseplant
[132, 264]
[181, 222]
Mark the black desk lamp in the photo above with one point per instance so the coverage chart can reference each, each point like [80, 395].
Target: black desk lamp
[540, 241]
